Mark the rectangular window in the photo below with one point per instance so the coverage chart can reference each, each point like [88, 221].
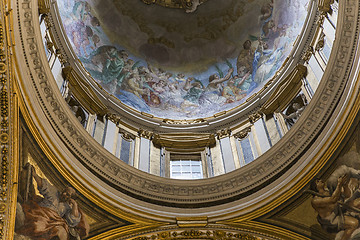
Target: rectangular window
[184, 166]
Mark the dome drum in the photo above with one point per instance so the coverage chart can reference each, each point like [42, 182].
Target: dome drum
[226, 190]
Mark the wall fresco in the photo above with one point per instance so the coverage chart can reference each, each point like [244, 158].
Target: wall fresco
[176, 65]
[336, 200]
[45, 212]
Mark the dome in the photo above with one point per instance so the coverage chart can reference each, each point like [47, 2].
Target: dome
[243, 172]
[177, 63]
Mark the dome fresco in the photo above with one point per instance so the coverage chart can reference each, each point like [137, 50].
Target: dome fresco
[179, 65]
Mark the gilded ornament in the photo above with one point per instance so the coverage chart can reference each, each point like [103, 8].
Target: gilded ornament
[243, 133]
[224, 133]
[325, 5]
[2, 67]
[126, 135]
[4, 138]
[198, 234]
[184, 122]
[254, 117]
[2, 207]
[145, 134]
[114, 118]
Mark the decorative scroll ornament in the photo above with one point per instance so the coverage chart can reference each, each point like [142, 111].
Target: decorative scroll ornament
[126, 135]
[188, 5]
[145, 134]
[243, 133]
[224, 133]
[114, 118]
[254, 117]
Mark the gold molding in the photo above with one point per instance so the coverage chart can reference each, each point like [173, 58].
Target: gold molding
[275, 231]
[183, 222]
[200, 234]
[9, 126]
[307, 55]
[87, 188]
[319, 160]
[321, 42]
[263, 210]
[184, 122]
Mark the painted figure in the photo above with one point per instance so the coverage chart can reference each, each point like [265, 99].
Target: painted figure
[245, 58]
[56, 215]
[337, 201]
[213, 91]
[113, 68]
[232, 92]
[330, 215]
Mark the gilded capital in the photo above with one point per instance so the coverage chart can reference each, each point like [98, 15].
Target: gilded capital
[126, 135]
[243, 133]
[224, 133]
[254, 117]
[145, 134]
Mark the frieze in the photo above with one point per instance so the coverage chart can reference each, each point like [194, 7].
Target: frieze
[197, 234]
[245, 179]
[213, 232]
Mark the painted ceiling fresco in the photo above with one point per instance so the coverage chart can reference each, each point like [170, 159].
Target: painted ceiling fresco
[179, 65]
